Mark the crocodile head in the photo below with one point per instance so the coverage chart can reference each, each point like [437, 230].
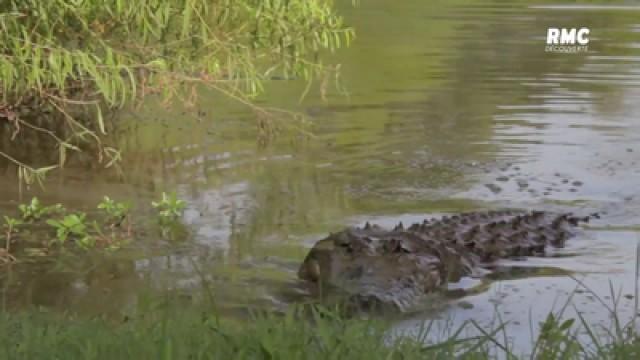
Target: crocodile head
[375, 267]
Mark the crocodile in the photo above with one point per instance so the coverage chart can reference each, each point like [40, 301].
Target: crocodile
[399, 267]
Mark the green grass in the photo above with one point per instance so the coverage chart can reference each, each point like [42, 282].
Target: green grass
[194, 332]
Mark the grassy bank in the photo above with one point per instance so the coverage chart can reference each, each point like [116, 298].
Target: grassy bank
[195, 333]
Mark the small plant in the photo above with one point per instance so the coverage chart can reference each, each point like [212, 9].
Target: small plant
[86, 242]
[116, 211]
[10, 227]
[72, 225]
[35, 210]
[557, 339]
[111, 241]
[169, 208]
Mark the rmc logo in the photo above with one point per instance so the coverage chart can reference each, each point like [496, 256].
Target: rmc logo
[565, 40]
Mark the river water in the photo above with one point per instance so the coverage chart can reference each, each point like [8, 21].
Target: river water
[446, 106]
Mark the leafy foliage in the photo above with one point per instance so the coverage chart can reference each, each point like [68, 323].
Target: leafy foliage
[11, 224]
[76, 59]
[109, 229]
[169, 208]
[72, 225]
[35, 211]
[116, 211]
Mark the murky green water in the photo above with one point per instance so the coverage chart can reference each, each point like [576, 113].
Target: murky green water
[452, 105]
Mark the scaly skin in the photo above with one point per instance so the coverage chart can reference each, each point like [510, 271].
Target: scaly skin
[399, 267]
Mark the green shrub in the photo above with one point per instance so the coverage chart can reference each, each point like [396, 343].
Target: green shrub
[77, 58]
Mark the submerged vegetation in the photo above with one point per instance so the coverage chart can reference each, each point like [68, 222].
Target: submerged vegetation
[116, 212]
[169, 208]
[40, 229]
[65, 64]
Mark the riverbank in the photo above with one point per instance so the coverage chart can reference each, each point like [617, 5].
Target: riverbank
[171, 332]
